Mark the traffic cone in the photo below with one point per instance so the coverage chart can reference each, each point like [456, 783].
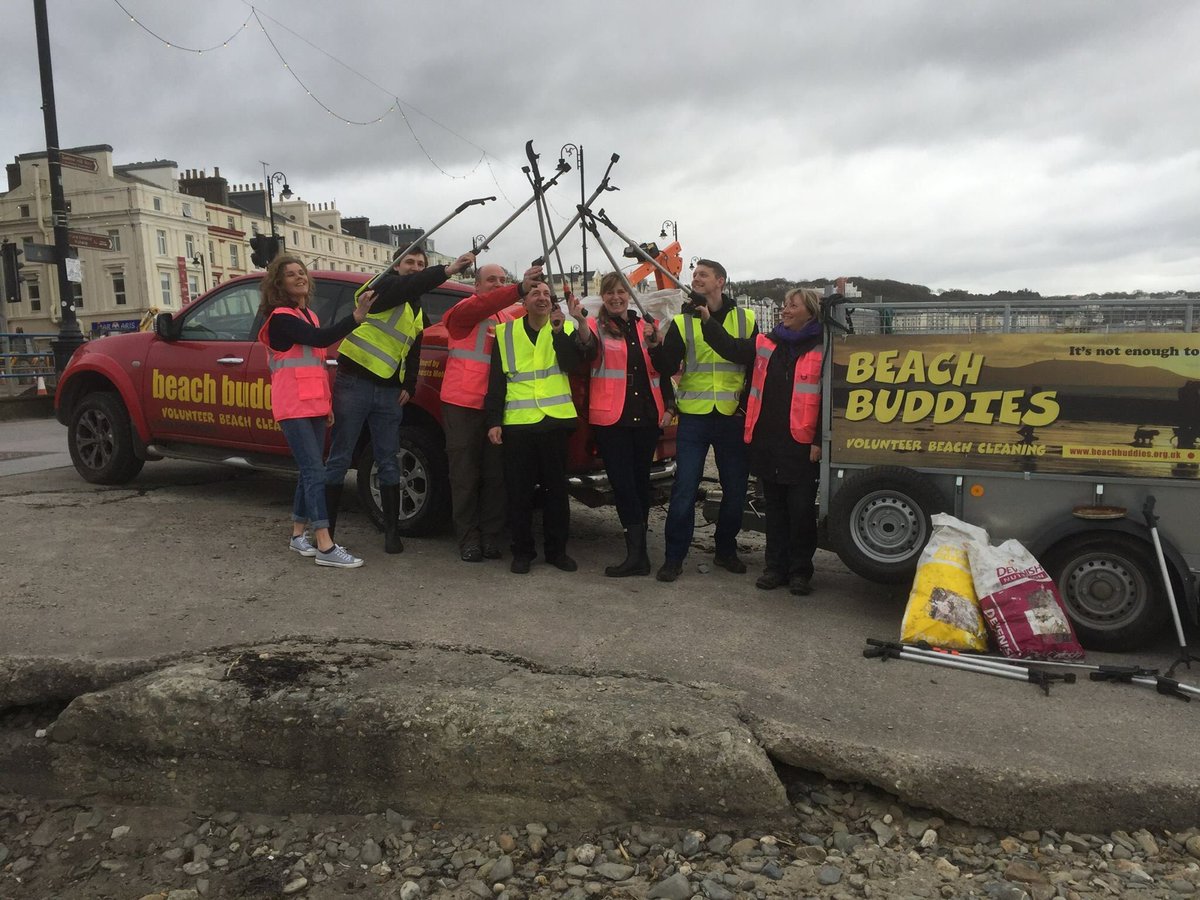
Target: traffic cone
[41, 387]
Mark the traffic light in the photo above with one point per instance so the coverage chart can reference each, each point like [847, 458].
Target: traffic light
[11, 255]
[264, 248]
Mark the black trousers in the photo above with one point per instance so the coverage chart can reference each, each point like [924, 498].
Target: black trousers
[791, 514]
[628, 451]
[532, 458]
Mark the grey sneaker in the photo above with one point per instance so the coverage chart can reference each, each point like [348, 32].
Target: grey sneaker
[338, 557]
[302, 545]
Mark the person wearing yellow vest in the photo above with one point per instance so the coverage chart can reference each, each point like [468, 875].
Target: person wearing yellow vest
[626, 407]
[300, 398]
[530, 411]
[709, 399]
[374, 382]
[476, 464]
[783, 429]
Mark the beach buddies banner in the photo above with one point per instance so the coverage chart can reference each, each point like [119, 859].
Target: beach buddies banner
[1086, 404]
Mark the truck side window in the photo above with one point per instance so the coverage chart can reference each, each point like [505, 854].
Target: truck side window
[331, 301]
[227, 316]
[435, 304]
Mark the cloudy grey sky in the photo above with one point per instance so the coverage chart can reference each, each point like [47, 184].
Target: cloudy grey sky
[985, 145]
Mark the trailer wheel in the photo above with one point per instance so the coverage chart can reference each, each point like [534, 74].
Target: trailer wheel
[1108, 582]
[879, 521]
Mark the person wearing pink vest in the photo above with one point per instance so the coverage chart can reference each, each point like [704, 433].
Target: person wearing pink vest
[300, 397]
[626, 410]
[783, 429]
[476, 464]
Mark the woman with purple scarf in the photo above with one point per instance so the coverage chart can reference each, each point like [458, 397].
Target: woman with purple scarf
[783, 429]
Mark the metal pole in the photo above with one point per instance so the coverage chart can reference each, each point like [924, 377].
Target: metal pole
[582, 230]
[70, 338]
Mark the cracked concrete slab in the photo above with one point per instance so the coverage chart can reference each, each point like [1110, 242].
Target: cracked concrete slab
[439, 733]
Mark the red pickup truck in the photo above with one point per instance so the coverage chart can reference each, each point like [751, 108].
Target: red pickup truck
[198, 388]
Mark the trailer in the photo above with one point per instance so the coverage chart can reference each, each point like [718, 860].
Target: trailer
[1049, 422]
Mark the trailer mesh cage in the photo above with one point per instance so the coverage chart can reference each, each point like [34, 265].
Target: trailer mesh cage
[1085, 316]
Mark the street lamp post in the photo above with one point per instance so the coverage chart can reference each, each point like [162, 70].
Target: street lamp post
[692, 265]
[576, 150]
[198, 260]
[576, 270]
[271, 180]
[674, 229]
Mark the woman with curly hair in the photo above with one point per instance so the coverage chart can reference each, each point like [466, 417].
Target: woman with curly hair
[300, 398]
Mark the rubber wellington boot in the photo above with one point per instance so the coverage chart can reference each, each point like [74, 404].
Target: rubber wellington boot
[389, 499]
[637, 560]
[333, 499]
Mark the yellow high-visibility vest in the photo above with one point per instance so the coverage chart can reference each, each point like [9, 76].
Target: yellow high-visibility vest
[709, 381]
[381, 343]
[537, 387]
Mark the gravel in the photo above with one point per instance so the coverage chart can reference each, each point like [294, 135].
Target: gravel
[847, 842]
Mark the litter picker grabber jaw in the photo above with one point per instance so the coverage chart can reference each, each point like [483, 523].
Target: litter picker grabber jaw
[1185, 656]
[487, 241]
[589, 222]
[1039, 678]
[539, 196]
[374, 282]
[586, 205]
[637, 250]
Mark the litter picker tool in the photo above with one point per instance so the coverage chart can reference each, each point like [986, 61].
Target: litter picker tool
[586, 205]
[1185, 656]
[374, 282]
[589, 223]
[487, 241]
[1041, 679]
[604, 220]
[534, 175]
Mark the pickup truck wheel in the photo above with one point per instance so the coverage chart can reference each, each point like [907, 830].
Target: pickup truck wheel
[879, 521]
[100, 438]
[1108, 582]
[424, 484]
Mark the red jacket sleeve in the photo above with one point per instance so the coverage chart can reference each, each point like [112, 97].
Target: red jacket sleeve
[470, 311]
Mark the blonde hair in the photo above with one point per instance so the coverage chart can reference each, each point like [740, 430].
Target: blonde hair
[604, 319]
[809, 297]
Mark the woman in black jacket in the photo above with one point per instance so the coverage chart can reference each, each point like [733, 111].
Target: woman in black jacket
[783, 429]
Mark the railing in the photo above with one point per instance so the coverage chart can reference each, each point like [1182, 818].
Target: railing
[24, 358]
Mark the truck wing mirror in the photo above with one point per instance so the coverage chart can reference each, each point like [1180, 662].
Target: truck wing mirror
[165, 327]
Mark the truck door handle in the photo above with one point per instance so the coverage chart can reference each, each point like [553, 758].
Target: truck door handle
[231, 360]
[331, 362]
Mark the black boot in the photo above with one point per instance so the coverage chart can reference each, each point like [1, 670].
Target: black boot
[333, 499]
[389, 499]
[637, 560]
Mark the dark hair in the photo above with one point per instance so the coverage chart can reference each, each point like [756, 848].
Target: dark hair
[715, 266]
[604, 319]
[271, 286]
[415, 251]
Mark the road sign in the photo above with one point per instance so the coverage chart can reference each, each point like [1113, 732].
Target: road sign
[75, 161]
[89, 240]
[39, 253]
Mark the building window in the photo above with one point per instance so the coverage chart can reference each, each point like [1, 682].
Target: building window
[233, 257]
[77, 294]
[295, 238]
[162, 242]
[164, 284]
[208, 215]
[314, 240]
[331, 245]
[158, 204]
[23, 211]
[193, 287]
[254, 228]
[189, 246]
[119, 288]
[114, 235]
[212, 255]
[375, 253]
[232, 226]
[187, 210]
[35, 296]
[346, 247]
[360, 251]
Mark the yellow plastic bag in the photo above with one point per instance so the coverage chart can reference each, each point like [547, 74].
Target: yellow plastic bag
[942, 607]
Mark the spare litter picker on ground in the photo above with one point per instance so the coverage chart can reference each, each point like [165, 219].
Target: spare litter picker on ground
[1185, 656]
[885, 651]
[1126, 674]
[374, 282]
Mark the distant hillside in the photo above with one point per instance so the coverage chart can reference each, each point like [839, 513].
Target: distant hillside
[901, 292]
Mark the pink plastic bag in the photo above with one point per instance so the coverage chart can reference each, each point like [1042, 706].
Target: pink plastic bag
[1020, 603]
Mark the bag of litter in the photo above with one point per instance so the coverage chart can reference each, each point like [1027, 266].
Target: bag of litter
[943, 609]
[1021, 605]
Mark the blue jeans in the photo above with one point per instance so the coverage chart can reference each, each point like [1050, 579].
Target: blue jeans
[357, 401]
[696, 433]
[306, 439]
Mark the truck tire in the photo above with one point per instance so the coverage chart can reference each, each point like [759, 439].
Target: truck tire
[424, 483]
[100, 439]
[1109, 582]
[879, 522]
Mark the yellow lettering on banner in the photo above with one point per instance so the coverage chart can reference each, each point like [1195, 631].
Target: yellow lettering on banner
[253, 395]
[858, 405]
[889, 367]
[950, 405]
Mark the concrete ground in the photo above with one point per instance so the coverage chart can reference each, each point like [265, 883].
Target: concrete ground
[188, 558]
